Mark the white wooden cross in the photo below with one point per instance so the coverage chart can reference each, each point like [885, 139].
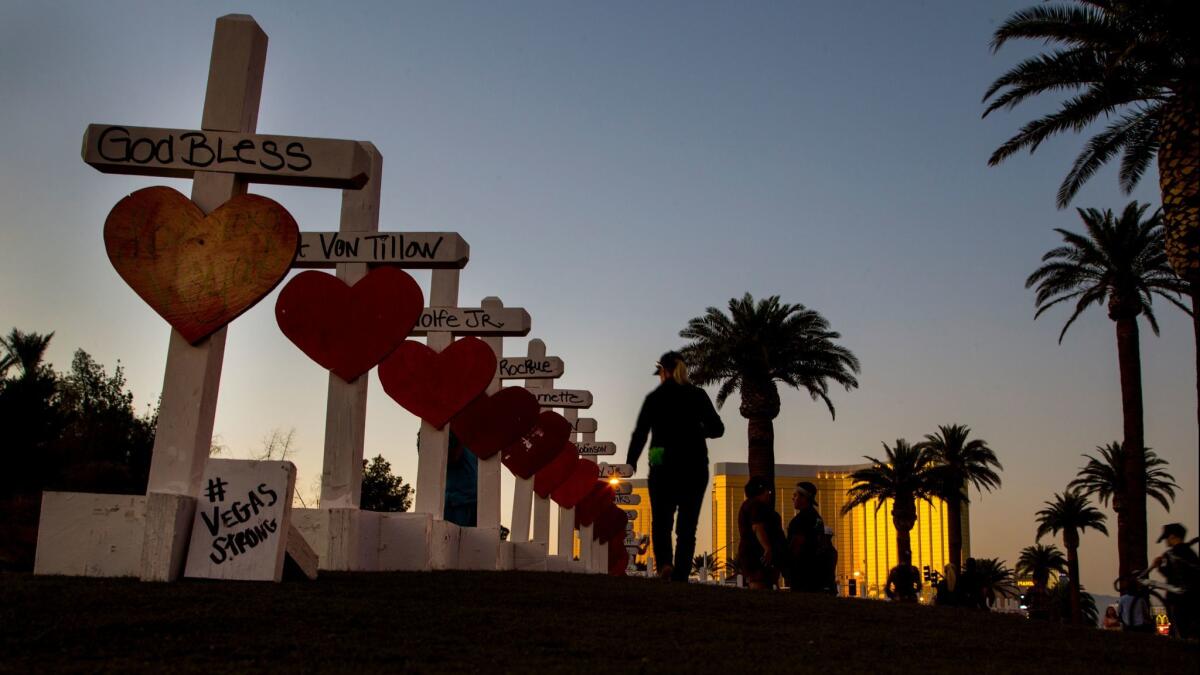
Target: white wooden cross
[523, 496]
[351, 251]
[222, 157]
[439, 323]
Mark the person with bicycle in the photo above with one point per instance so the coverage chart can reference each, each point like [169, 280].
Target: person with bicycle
[1180, 565]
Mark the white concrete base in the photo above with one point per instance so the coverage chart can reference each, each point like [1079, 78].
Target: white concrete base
[301, 553]
[369, 525]
[505, 561]
[344, 539]
[313, 524]
[529, 556]
[405, 541]
[598, 563]
[168, 528]
[444, 544]
[92, 535]
[479, 548]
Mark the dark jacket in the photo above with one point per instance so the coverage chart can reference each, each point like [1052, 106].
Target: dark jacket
[677, 417]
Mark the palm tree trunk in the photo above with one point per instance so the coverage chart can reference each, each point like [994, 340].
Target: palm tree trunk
[760, 437]
[1131, 519]
[1178, 168]
[904, 517]
[954, 532]
[1073, 572]
[1194, 289]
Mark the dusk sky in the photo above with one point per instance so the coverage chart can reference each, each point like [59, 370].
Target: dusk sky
[617, 168]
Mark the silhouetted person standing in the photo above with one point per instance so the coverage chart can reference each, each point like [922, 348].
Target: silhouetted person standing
[677, 416]
[761, 545]
[903, 582]
[1181, 567]
[970, 586]
[810, 550]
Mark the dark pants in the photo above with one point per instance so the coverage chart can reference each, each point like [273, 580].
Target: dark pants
[674, 490]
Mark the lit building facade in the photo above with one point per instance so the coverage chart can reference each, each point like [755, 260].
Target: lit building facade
[865, 538]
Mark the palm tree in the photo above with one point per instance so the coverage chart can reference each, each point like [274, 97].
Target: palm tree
[1119, 260]
[958, 462]
[1136, 65]
[995, 578]
[1102, 477]
[1039, 562]
[706, 560]
[26, 351]
[757, 345]
[1070, 513]
[902, 477]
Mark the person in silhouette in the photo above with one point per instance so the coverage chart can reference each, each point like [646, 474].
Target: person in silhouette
[677, 417]
[762, 547]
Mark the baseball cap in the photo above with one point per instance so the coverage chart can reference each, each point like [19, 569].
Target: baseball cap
[1176, 529]
[809, 490]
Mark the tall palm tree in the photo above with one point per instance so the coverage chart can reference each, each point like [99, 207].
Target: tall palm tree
[1137, 66]
[957, 463]
[1118, 260]
[1039, 561]
[1103, 478]
[995, 578]
[903, 476]
[757, 345]
[1070, 513]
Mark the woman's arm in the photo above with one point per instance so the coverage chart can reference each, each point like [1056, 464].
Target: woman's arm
[638, 441]
[711, 421]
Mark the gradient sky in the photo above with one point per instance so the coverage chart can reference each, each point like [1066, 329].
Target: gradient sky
[617, 168]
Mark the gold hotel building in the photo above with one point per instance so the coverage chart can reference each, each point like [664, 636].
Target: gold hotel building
[865, 538]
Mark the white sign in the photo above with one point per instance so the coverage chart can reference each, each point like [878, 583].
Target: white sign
[241, 523]
[627, 500]
[530, 368]
[592, 449]
[563, 398]
[631, 515]
[411, 250]
[472, 321]
[622, 488]
[621, 470]
[258, 158]
[585, 425]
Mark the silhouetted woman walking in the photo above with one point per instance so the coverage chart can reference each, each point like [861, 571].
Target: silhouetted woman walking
[678, 416]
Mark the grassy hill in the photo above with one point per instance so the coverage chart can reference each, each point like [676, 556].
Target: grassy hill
[494, 622]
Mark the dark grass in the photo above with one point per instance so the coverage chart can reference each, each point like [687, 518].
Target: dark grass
[523, 622]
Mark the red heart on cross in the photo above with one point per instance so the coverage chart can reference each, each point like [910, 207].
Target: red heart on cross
[556, 472]
[349, 329]
[491, 423]
[200, 272]
[610, 525]
[589, 507]
[536, 449]
[577, 484]
[435, 386]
